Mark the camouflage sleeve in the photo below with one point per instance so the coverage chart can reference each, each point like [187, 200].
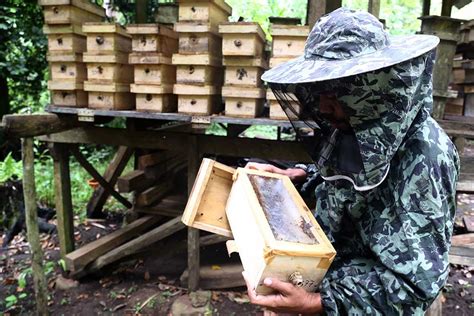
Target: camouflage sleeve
[407, 240]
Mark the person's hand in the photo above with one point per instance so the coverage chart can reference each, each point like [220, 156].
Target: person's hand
[295, 174]
[288, 299]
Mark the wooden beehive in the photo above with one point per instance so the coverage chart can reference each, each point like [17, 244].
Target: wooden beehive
[198, 100]
[106, 38]
[274, 232]
[67, 66]
[276, 112]
[71, 11]
[242, 39]
[200, 69]
[244, 71]
[288, 40]
[109, 96]
[67, 93]
[109, 72]
[198, 38]
[153, 38]
[211, 11]
[243, 101]
[154, 98]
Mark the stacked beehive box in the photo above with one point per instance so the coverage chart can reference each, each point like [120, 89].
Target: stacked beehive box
[153, 46]
[243, 47]
[108, 73]
[199, 74]
[66, 43]
[288, 43]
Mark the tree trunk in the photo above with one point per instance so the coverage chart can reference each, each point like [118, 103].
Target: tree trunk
[4, 100]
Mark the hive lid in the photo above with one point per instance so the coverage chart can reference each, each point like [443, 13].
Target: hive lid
[206, 204]
[242, 28]
[82, 4]
[151, 28]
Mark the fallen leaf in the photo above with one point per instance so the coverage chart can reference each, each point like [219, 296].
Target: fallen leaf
[462, 282]
[216, 267]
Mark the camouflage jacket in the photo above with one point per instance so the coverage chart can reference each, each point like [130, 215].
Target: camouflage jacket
[392, 241]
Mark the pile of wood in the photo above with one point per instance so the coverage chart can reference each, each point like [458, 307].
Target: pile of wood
[288, 43]
[199, 61]
[108, 73]
[463, 75]
[154, 75]
[243, 47]
[66, 44]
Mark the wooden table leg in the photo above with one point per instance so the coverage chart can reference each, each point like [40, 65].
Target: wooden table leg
[62, 190]
[193, 234]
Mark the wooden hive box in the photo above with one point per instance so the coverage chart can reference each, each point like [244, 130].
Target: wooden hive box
[288, 40]
[154, 98]
[198, 38]
[148, 59]
[153, 38]
[274, 232]
[276, 112]
[198, 69]
[154, 74]
[67, 93]
[198, 100]
[71, 11]
[243, 101]
[68, 67]
[275, 61]
[211, 11]
[454, 106]
[64, 39]
[243, 71]
[109, 96]
[108, 67]
[106, 37]
[242, 39]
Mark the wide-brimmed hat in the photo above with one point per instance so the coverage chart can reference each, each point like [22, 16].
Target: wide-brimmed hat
[346, 42]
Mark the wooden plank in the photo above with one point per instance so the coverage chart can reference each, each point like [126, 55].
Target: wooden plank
[243, 92]
[242, 28]
[154, 193]
[133, 181]
[148, 58]
[187, 89]
[436, 307]
[151, 28]
[196, 59]
[62, 198]
[105, 87]
[170, 206]
[80, 258]
[65, 85]
[232, 146]
[462, 240]
[31, 219]
[149, 88]
[114, 170]
[155, 158]
[289, 30]
[138, 243]
[83, 4]
[94, 28]
[212, 239]
[115, 57]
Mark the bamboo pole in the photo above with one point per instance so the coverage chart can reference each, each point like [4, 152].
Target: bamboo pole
[31, 216]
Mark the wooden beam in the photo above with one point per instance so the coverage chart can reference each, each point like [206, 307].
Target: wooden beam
[426, 7]
[209, 144]
[62, 196]
[31, 218]
[171, 206]
[227, 276]
[107, 186]
[114, 170]
[155, 193]
[138, 243]
[315, 9]
[374, 8]
[194, 158]
[29, 125]
[135, 180]
[141, 7]
[80, 258]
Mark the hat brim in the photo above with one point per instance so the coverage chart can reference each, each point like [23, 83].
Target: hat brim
[301, 70]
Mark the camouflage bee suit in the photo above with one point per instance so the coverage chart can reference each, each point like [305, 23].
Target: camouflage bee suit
[392, 241]
[391, 219]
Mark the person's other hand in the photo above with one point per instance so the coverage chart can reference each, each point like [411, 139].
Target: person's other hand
[265, 167]
[288, 299]
[295, 174]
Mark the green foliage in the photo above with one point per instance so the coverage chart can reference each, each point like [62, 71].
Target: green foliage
[11, 300]
[10, 169]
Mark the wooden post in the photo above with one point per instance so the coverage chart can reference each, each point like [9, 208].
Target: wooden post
[193, 234]
[317, 8]
[436, 308]
[31, 216]
[62, 190]
[426, 7]
[446, 7]
[141, 7]
[374, 8]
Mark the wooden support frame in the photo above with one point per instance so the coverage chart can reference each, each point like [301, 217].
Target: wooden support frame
[106, 185]
[114, 170]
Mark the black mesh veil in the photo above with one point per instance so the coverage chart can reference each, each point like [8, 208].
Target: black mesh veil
[321, 140]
